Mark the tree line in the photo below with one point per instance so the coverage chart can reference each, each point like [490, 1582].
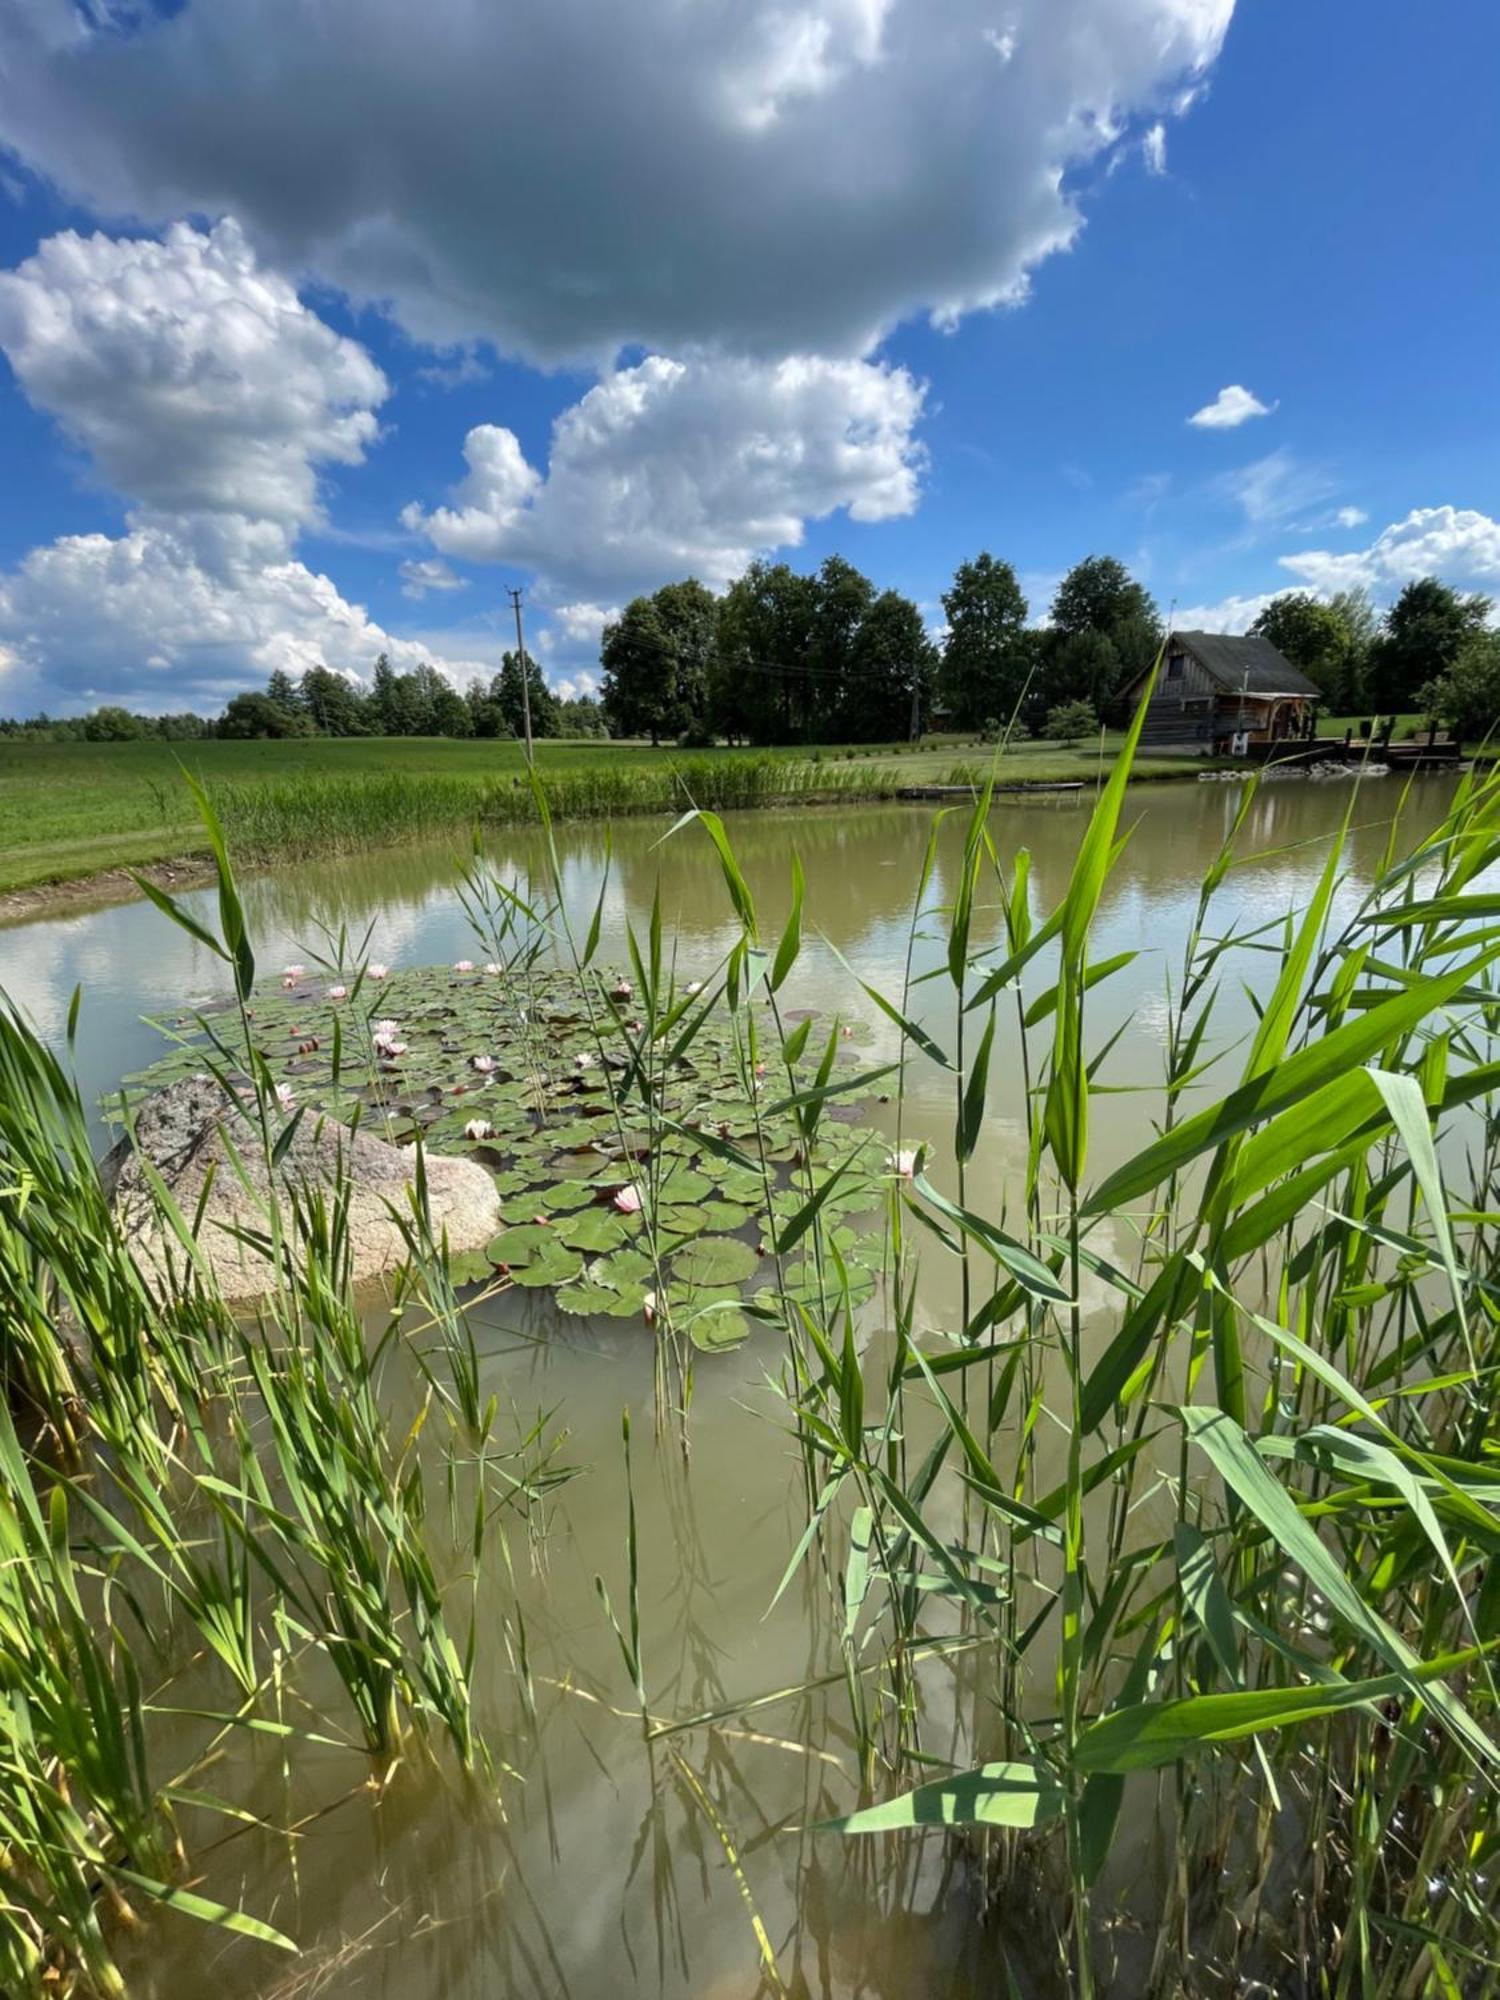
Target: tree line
[322, 703]
[784, 657]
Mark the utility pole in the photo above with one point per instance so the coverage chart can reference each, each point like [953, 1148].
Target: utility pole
[515, 598]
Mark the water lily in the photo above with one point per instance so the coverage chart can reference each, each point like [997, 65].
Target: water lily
[584, 1060]
[479, 1128]
[628, 1199]
[622, 990]
[463, 965]
[693, 987]
[293, 972]
[903, 1163]
[377, 972]
[493, 970]
[484, 1064]
[648, 1308]
[385, 1031]
[285, 1096]
[338, 993]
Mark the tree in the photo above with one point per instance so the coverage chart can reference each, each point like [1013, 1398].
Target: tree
[336, 707]
[582, 716]
[1074, 667]
[1424, 632]
[257, 715]
[1100, 595]
[891, 660]
[1467, 696]
[113, 725]
[387, 705]
[1316, 638]
[640, 687]
[282, 689]
[760, 684]
[988, 652]
[506, 692]
[834, 704]
[689, 618]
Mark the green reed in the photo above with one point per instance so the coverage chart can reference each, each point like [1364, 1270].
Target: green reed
[1301, 1341]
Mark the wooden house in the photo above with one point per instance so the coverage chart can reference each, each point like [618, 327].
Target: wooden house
[1215, 689]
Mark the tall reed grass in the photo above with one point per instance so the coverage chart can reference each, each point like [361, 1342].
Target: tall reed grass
[312, 815]
[1264, 1598]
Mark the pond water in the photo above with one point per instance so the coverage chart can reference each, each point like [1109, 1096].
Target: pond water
[590, 1868]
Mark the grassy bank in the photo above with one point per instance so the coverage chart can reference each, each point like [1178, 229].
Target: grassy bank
[69, 811]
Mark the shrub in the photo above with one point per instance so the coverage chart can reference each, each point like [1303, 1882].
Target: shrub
[1069, 721]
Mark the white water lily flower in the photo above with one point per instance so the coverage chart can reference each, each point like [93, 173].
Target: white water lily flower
[285, 1096]
[484, 1064]
[377, 972]
[338, 993]
[479, 1128]
[903, 1163]
[628, 1199]
[693, 987]
[494, 970]
[463, 965]
[648, 1308]
[384, 1030]
[293, 971]
[622, 990]
[585, 1060]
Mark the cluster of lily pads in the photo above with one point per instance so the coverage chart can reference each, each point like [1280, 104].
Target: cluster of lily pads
[628, 1158]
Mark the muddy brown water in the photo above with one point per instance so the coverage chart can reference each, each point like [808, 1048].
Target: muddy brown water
[588, 1869]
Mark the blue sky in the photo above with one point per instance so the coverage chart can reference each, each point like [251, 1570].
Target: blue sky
[343, 347]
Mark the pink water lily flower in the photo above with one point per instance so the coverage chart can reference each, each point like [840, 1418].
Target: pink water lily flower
[377, 972]
[484, 1064]
[903, 1163]
[479, 1128]
[338, 993]
[622, 990]
[463, 965]
[293, 972]
[648, 1308]
[383, 1031]
[628, 1199]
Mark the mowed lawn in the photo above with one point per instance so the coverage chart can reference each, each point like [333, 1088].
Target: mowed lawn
[70, 810]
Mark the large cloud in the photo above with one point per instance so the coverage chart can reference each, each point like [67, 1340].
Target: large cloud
[195, 380]
[1455, 543]
[209, 395]
[567, 176]
[677, 467]
[153, 619]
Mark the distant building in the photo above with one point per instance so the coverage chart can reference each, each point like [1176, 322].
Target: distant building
[1215, 687]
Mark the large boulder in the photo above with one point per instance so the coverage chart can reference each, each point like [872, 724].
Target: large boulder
[186, 1132]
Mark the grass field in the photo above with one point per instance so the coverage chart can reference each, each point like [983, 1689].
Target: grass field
[69, 811]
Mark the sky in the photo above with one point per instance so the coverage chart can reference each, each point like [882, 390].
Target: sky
[323, 324]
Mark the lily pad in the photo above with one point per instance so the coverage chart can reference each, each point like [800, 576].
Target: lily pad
[715, 1260]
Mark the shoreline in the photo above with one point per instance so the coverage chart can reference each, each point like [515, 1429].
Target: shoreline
[99, 888]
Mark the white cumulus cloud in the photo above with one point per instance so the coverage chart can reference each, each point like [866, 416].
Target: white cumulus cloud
[678, 467]
[208, 395]
[1234, 405]
[145, 619]
[194, 379]
[1458, 544]
[424, 573]
[773, 176]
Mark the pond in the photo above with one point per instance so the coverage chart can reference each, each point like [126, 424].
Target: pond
[592, 1866]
